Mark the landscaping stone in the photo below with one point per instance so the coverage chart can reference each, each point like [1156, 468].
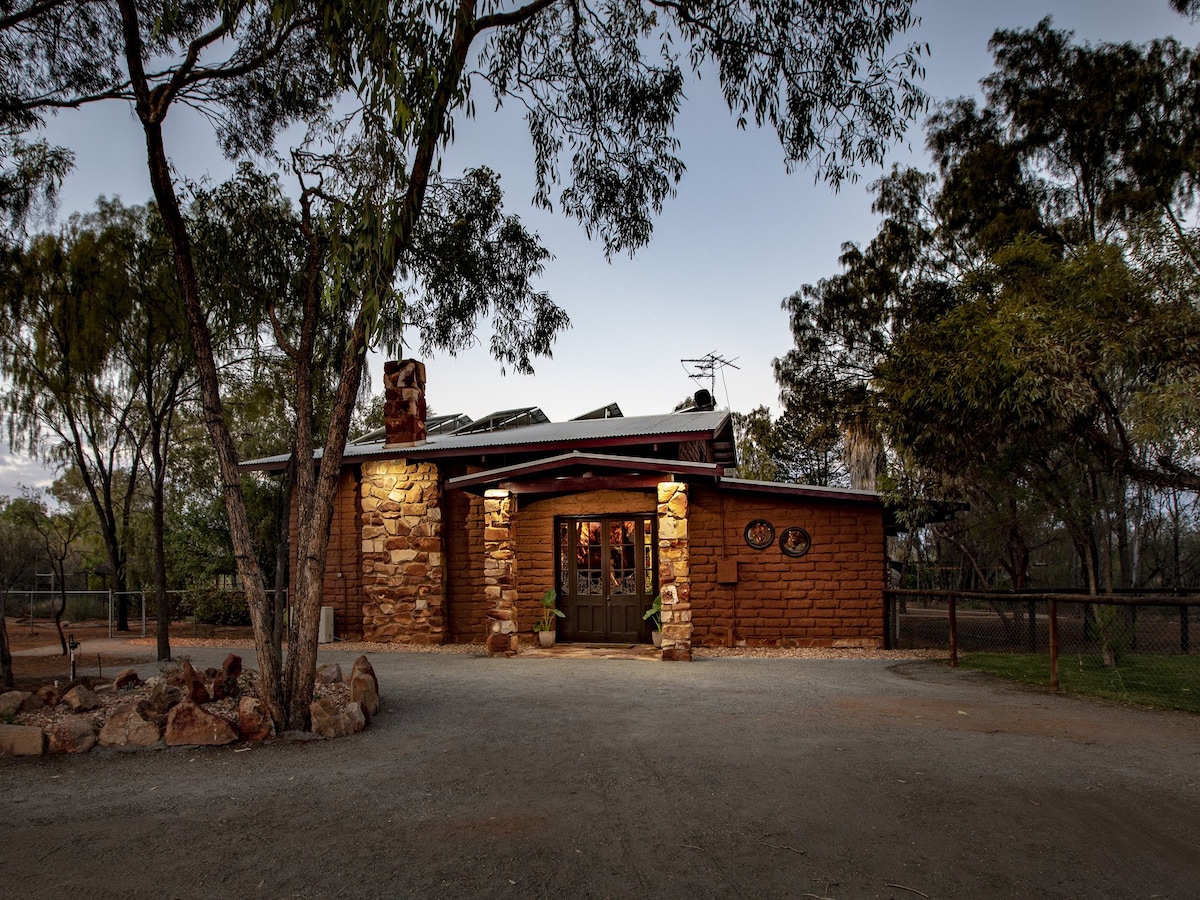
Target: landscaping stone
[329, 673]
[50, 695]
[364, 686]
[22, 740]
[13, 702]
[81, 698]
[194, 686]
[74, 735]
[126, 678]
[328, 722]
[253, 722]
[232, 666]
[163, 696]
[132, 725]
[188, 724]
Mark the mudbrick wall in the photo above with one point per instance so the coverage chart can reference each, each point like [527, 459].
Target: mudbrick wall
[463, 532]
[342, 585]
[831, 596]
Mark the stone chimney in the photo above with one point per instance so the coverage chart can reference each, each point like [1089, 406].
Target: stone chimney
[404, 401]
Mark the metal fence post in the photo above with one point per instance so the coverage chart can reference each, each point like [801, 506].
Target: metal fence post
[953, 618]
[143, 612]
[1053, 645]
[111, 631]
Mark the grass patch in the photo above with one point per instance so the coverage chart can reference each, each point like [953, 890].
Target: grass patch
[1167, 682]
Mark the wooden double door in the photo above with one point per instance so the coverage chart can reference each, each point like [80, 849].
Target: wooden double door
[606, 568]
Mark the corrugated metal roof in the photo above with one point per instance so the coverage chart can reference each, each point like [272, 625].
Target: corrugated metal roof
[674, 426]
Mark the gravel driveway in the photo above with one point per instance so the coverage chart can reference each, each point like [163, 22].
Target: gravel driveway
[620, 778]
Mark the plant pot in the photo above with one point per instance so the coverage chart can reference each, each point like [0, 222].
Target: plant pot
[546, 638]
[656, 636]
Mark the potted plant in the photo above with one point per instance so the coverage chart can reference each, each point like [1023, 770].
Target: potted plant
[654, 616]
[545, 626]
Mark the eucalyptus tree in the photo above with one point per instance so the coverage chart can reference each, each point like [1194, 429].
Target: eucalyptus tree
[601, 87]
[67, 398]
[20, 548]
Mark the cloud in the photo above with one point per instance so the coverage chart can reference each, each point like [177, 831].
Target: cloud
[18, 471]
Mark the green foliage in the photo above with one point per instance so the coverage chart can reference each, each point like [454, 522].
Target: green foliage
[1021, 334]
[214, 606]
[1165, 682]
[549, 612]
[654, 614]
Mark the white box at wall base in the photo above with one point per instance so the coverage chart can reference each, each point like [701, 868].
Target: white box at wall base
[325, 630]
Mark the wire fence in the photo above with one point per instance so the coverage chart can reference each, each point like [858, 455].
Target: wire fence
[1142, 648]
[203, 608]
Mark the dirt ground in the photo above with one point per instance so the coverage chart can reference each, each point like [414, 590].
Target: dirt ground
[535, 777]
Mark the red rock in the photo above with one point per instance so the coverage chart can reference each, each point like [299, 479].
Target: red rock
[327, 721]
[49, 695]
[194, 686]
[73, 735]
[22, 740]
[81, 698]
[329, 673]
[362, 664]
[188, 724]
[162, 697]
[132, 725]
[223, 686]
[364, 692]
[13, 702]
[232, 667]
[253, 722]
[126, 678]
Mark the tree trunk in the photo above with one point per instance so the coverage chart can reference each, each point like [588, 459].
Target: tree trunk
[6, 669]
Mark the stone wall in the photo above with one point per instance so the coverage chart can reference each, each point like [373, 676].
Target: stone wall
[831, 596]
[674, 572]
[499, 571]
[403, 563]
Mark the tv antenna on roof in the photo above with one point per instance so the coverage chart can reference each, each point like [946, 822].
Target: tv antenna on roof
[706, 368]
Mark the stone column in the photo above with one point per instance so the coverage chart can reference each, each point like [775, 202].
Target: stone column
[499, 575]
[404, 589]
[674, 580]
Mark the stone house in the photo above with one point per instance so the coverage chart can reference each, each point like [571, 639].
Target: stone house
[451, 531]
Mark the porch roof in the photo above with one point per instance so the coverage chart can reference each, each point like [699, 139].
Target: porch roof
[579, 471]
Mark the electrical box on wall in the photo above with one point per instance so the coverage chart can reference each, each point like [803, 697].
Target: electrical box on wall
[727, 572]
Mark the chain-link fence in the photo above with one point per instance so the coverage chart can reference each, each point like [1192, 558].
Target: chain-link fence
[202, 608]
[1140, 648]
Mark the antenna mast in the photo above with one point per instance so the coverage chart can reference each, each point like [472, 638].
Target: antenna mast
[706, 368]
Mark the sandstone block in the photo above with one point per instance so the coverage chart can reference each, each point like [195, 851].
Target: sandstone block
[329, 673]
[133, 725]
[81, 698]
[49, 695]
[73, 735]
[328, 722]
[194, 685]
[254, 724]
[22, 740]
[13, 702]
[126, 678]
[188, 724]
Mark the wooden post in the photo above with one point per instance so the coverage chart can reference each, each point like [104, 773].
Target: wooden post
[953, 634]
[1053, 645]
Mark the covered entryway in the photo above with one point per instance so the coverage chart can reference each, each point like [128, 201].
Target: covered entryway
[605, 577]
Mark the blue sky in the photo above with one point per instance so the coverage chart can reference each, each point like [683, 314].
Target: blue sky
[741, 235]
